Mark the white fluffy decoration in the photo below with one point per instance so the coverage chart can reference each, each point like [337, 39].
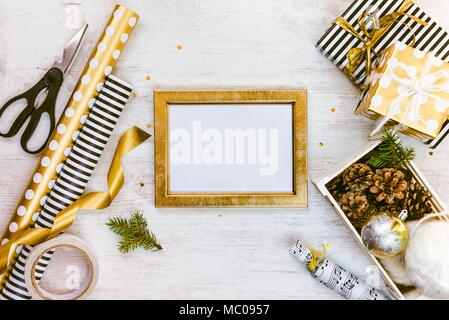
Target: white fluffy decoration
[411, 225]
[427, 258]
[395, 266]
[415, 295]
[396, 270]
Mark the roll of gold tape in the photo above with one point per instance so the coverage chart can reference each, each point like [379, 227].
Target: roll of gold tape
[64, 240]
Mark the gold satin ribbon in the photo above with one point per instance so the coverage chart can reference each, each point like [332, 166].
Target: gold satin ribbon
[369, 38]
[317, 257]
[132, 138]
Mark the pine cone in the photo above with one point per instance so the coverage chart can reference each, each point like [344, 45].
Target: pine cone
[335, 187]
[358, 224]
[389, 185]
[417, 201]
[354, 204]
[358, 177]
[394, 209]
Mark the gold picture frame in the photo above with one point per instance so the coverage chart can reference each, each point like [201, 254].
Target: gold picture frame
[165, 198]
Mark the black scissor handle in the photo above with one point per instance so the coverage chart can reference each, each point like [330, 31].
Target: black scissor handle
[30, 97]
[53, 80]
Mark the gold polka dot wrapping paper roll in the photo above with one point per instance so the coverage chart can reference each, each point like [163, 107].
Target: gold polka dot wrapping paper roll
[101, 63]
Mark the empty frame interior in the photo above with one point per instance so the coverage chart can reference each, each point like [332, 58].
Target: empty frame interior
[236, 148]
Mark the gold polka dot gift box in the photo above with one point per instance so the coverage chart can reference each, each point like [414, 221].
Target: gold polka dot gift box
[410, 89]
[99, 66]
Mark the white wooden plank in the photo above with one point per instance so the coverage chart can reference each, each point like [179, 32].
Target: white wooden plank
[208, 253]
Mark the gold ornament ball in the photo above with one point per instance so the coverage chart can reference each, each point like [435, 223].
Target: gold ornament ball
[385, 235]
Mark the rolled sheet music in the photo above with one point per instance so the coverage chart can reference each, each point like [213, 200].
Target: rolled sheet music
[336, 277]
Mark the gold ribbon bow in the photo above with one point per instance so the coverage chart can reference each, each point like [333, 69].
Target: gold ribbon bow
[91, 201]
[427, 85]
[317, 257]
[370, 37]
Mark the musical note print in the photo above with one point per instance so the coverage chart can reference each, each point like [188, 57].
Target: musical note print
[332, 275]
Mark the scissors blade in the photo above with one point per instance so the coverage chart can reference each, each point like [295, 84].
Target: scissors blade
[71, 50]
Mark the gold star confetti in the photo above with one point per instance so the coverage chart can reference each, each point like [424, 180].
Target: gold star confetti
[148, 78]
[149, 125]
[430, 153]
[134, 94]
[333, 109]
[327, 245]
[321, 144]
[179, 47]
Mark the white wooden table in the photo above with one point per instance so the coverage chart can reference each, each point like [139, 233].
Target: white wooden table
[208, 253]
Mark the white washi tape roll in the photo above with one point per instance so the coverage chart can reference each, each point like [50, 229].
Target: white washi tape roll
[64, 240]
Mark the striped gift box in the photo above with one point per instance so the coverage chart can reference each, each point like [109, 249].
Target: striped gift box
[336, 42]
[74, 175]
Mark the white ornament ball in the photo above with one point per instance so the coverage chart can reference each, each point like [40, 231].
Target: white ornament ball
[385, 235]
[427, 258]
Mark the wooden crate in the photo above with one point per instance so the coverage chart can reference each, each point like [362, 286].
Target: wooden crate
[320, 184]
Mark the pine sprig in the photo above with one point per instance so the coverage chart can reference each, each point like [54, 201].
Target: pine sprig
[134, 233]
[119, 226]
[391, 152]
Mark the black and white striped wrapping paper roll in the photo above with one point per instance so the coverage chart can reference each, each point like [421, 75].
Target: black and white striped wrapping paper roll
[74, 175]
[336, 42]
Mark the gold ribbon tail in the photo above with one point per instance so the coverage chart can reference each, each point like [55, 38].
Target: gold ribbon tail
[132, 138]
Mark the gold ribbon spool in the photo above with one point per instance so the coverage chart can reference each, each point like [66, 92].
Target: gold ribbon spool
[370, 38]
[64, 240]
[132, 138]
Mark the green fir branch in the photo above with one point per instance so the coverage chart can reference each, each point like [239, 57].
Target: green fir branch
[134, 233]
[119, 226]
[391, 152]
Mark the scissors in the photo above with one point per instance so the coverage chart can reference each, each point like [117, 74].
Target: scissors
[41, 98]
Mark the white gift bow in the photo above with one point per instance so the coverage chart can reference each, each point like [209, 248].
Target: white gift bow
[417, 89]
